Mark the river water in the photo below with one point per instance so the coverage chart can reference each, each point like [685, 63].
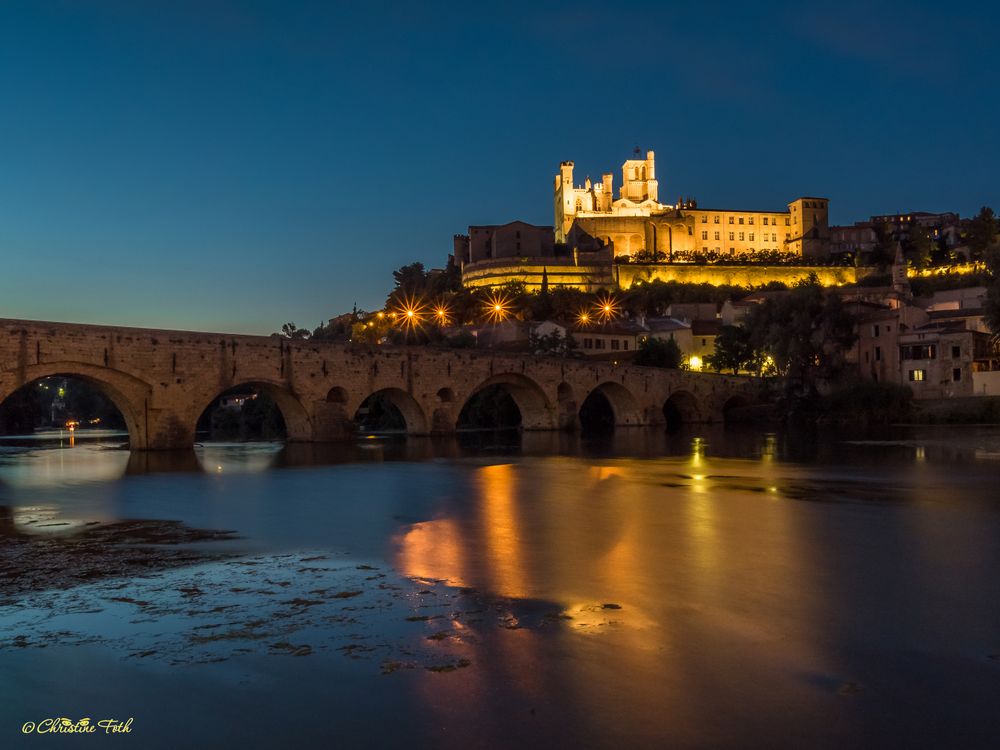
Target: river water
[712, 588]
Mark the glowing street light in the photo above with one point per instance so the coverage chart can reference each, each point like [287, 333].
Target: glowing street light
[410, 314]
[584, 318]
[607, 308]
[442, 315]
[497, 308]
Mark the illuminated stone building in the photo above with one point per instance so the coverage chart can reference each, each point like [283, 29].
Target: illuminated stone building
[636, 222]
[594, 228]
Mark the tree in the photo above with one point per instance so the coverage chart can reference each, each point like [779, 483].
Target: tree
[733, 351]
[292, 331]
[806, 333]
[982, 232]
[919, 246]
[410, 279]
[654, 352]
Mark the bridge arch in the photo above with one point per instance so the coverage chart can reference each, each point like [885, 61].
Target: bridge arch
[529, 398]
[610, 405]
[734, 402]
[129, 394]
[389, 400]
[298, 423]
[681, 408]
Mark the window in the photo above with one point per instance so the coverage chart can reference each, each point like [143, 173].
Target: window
[765, 221]
[751, 236]
[788, 222]
[715, 219]
[704, 249]
[690, 230]
[917, 376]
[598, 343]
[866, 358]
[731, 237]
[750, 220]
[588, 343]
[919, 351]
[956, 374]
[704, 342]
[774, 237]
[730, 219]
[875, 331]
[741, 220]
[704, 235]
[878, 353]
[704, 219]
[716, 235]
[732, 249]
[614, 344]
[956, 352]
[625, 344]
[787, 236]
[741, 236]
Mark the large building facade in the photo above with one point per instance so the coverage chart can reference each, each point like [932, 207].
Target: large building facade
[637, 224]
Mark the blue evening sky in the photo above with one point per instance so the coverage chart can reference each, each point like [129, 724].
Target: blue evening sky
[234, 165]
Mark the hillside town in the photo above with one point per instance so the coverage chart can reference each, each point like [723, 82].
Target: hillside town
[631, 279]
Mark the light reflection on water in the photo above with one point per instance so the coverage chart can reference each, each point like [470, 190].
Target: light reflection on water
[695, 589]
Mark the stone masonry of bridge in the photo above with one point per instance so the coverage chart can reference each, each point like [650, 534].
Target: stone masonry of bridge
[162, 381]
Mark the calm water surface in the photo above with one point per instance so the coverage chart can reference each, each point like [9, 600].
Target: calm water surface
[708, 589]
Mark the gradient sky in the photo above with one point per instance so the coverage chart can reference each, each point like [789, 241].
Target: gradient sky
[231, 166]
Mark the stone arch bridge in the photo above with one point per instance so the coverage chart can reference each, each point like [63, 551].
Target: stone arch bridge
[162, 381]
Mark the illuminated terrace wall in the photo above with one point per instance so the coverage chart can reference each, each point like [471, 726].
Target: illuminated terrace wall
[630, 273]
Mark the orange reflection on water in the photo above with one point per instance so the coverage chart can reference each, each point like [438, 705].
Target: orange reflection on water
[498, 488]
[433, 550]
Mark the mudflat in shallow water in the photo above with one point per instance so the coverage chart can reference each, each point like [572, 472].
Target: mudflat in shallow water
[712, 588]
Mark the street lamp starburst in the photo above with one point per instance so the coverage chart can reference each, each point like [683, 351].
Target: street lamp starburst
[607, 308]
[410, 313]
[442, 315]
[497, 307]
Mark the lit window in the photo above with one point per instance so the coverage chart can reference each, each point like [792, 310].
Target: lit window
[917, 376]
